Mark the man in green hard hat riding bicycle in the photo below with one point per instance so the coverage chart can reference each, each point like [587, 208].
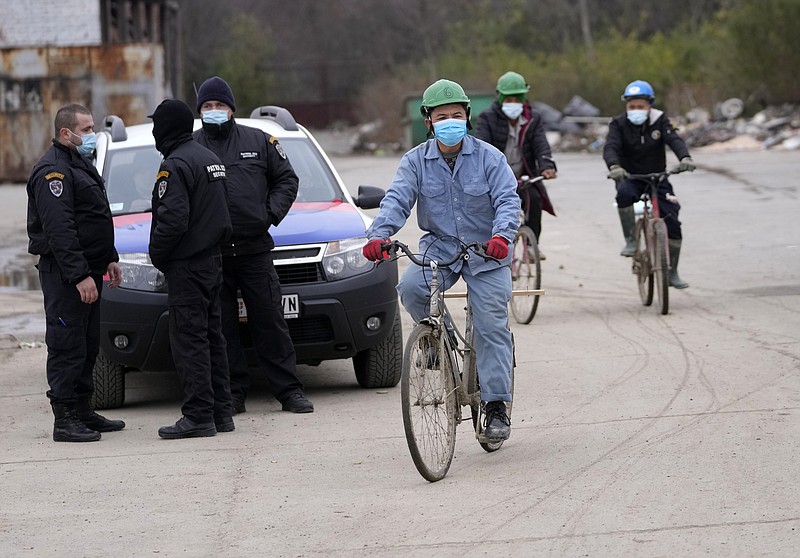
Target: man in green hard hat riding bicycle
[464, 192]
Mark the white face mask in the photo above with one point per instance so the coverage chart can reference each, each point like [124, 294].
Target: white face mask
[637, 117]
[512, 110]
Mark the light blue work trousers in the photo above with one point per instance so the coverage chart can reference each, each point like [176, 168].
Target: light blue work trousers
[489, 294]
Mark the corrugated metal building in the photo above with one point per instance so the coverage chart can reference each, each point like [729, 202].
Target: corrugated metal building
[113, 56]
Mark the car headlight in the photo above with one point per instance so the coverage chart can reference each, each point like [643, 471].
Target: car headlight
[343, 258]
[138, 273]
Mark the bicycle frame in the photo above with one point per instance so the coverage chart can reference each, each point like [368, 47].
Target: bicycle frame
[652, 265]
[439, 376]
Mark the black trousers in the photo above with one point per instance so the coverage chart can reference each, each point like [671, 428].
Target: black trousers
[533, 215]
[630, 191]
[195, 333]
[72, 335]
[255, 276]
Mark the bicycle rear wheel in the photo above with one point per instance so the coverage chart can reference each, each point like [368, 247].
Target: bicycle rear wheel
[662, 264]
[427, 391]
[642, 266]
[526, 273]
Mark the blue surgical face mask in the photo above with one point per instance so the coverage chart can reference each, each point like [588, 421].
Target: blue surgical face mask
[450, 131]
[89, 143]
[637, 117]
[512, 110]
[215, 116]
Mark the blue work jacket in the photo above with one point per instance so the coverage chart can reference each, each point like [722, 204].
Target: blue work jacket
[473, 203]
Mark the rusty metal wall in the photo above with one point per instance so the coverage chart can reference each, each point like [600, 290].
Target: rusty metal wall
[127, 80]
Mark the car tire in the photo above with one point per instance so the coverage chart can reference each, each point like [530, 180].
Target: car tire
[109, 383]
[382, 365]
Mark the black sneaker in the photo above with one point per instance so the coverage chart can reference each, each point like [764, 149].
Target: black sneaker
[496, 424]
[187, 428]
[238, 407]
[297, 403]
[224, 424]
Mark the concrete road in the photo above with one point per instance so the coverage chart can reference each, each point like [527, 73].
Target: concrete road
[634, 434]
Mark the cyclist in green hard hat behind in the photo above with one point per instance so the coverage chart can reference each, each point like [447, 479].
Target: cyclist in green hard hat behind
[516, 129]
[464, 192]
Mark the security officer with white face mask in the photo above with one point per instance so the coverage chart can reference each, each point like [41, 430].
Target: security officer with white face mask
[262, 186]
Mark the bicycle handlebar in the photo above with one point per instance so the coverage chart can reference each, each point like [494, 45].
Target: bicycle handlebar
[463, 252]
[654, 176]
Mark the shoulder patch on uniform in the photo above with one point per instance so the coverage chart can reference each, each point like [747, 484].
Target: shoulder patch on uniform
[52, 175]
[162, 188]
[215, 172]
[162, 174]
[56, 188]
[279, 149]
[272, 139]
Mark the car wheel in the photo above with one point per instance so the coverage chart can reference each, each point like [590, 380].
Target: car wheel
[109, 383]
[382, 365]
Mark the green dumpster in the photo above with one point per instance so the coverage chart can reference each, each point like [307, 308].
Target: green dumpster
[415, 130]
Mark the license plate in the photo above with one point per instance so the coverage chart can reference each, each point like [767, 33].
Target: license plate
[291, 307]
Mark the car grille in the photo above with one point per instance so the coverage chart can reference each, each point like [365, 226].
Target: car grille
[313, 329]
[298, 265]
[299, 273]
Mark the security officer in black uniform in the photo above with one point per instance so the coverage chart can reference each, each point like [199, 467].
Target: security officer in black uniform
[262, 186]
[190, 219]
[71, 230]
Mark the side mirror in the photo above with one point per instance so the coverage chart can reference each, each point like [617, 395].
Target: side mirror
[369, 197]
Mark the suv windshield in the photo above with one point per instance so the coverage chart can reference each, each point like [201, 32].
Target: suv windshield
[130, 176]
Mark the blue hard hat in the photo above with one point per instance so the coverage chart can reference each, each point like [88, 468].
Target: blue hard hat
[639, 90]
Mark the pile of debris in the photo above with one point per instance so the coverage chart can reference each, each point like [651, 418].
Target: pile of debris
[580, 128]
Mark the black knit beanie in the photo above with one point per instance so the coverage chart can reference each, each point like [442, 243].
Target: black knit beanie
[215, 89]
[172, 121]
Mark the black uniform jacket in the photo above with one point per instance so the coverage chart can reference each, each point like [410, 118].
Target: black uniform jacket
[262, 184]
[536, 155]
[69, 221]
[640, 149]
[190, 214]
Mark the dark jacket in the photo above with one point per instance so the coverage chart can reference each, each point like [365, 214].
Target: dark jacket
[69, 221]
[262, 184]
[536, 154]
[640, 149]
[190, 216]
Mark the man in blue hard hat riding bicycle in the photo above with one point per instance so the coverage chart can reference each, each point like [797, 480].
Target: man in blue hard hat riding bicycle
[635, 144]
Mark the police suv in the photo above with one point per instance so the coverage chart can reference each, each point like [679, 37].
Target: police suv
[336, 303]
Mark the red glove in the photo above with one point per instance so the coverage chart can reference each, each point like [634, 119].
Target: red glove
[372, 250]
[497, 248]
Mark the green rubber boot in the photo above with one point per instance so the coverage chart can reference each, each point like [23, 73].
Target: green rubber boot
[628, 221]
[674, 255]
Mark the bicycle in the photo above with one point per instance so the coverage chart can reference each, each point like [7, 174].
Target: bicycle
[526, 266]
[440, 375]
[651, 263]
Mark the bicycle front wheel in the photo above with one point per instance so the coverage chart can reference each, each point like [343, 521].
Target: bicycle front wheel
[661, 257]
[642, 266]
[428, 394]
[526, 273]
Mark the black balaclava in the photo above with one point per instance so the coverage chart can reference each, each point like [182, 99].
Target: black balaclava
[172, 125]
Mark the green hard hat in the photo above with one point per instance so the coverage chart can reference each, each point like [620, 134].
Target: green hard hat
[512, 84]
[442, 92]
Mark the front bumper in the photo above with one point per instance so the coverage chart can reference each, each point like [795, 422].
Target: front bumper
[331, 324]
